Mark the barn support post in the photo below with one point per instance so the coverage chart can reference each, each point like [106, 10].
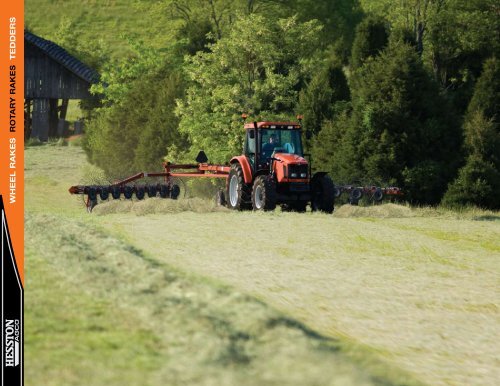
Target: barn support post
[62, 124]
[27, 119]
[40, 121]
[53, 117]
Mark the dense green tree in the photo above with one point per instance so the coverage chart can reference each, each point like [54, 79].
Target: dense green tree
[339, 18]
[400, 130]
[371, 37]
[478, 181]
[256, 69]
[329, 146]
[453, 37]
[486, 96]
[412, 16]
[118, 74]
[137, 133]
[317, 100]
[197, 35]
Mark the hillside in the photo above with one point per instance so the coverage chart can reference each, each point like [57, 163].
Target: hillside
[109, 21]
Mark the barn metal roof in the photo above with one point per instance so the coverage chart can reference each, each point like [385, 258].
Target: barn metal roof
[62, 56]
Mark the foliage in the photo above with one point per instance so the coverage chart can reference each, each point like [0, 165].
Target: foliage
[482, 136]
[486, 96]
[399, 130]
[329, 147]
[371, 38]
[478, 181]
[339, 18]
[256, 69]
[453, 37]
[194, 19]
[117, 75]
[135, 134]
[93, 52]
[317, 100]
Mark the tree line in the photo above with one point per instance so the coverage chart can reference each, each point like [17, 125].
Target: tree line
[402, 94]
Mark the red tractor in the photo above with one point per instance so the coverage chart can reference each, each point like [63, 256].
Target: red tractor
[273, 171]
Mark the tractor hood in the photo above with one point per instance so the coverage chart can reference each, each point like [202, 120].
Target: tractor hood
[287, 158]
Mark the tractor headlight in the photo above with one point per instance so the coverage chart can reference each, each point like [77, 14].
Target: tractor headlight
[297, 171]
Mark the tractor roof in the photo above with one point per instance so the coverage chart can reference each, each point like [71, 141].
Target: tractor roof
[274, 125]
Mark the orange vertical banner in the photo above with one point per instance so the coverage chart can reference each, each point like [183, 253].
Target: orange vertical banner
[12, 125]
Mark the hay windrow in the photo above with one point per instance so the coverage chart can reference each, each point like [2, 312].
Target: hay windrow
[157, 206]
[406, 211]
[377, 211]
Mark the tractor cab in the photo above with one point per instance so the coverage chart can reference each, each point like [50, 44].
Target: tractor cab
[265, 139]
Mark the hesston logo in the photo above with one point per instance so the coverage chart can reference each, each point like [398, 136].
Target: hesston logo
[11, 342]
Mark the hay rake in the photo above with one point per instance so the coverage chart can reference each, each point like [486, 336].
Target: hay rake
[128, 188]
[374, 194]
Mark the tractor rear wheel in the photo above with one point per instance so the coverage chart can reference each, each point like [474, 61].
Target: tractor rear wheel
[264, 193]
[323, 192]
[238, 192]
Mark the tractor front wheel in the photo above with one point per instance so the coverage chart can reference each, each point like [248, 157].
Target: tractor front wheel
[323, 192]
[238, 192]
[264, 193]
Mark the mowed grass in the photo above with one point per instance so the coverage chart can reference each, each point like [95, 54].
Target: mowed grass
[381, 295]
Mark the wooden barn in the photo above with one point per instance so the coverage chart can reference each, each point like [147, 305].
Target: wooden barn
[52, 78]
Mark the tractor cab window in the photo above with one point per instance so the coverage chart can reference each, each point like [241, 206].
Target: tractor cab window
[280, 141]
[249, 149]
[250, 142]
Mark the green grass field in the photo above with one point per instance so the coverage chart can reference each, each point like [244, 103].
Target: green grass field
[161, 292]
[106, 20]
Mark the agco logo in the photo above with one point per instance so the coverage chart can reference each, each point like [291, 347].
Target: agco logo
[11, 342]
